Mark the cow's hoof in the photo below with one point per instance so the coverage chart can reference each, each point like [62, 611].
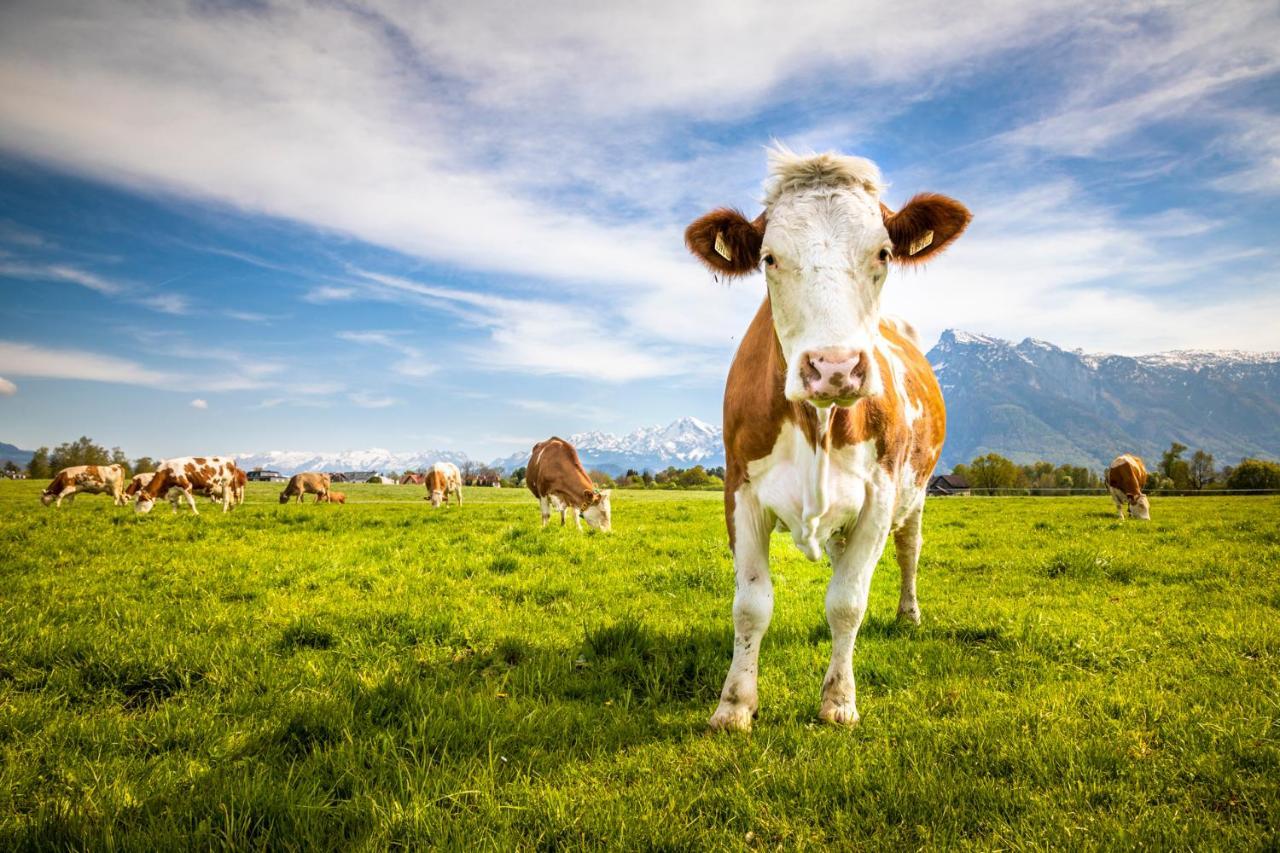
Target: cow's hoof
[731, 718]
[839, 713]
[909, 616]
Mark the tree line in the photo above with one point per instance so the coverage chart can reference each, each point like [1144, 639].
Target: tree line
[994, 473]
[44, 463]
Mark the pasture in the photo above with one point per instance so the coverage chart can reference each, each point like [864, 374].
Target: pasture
[385, 674]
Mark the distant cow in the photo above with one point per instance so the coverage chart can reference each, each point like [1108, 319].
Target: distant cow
[138, 481]
[557, 479]
[443, 480]
[215, 476]
[332, 498]
[311, 483]
[89, 479]
[1125, 478]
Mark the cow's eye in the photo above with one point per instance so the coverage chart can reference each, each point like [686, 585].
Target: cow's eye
[884, 255]
[769, 260]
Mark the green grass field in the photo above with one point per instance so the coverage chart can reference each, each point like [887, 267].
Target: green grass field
[382, 674]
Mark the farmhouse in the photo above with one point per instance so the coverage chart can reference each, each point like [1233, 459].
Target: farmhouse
[950, 484]
[412, 478]
[264, 475]
[352, 476]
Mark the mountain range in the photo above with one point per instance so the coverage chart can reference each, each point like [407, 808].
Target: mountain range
[1033, 400]
[1027, 401]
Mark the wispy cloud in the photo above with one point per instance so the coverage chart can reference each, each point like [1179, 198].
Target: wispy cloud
[7, 388]
[199, 404]
[19, 359]
[413, 364]
[59, 272]
[366, 400]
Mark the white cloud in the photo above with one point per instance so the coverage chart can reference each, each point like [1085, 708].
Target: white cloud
[7, 388]
[366, 400]
[18, 359]
[59, 272]
[199, 404]
[413, 364]
[167, 303]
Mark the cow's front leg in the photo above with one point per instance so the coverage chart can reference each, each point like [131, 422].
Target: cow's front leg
[577, 517]
[847, 594]
[458, 491]
[191, 500]
[752, 610]
[545, 506]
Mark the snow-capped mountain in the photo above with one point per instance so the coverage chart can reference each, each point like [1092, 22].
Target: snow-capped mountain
[1034, 400]
[683, 443]
[373, 459]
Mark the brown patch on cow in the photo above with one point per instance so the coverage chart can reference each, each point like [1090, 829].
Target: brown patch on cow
[199, 460]
[555, 470]
[926, 212]
[436, 481]
[756, 407]
[739, 237]
[1128, 474]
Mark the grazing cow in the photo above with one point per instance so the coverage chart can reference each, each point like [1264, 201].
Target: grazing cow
[1125, 478]
[557, 479]
[87, 479]
[833, 419]
[138, 481]
[443, 480]
[188, 476]
[332, 498]
[311, 483]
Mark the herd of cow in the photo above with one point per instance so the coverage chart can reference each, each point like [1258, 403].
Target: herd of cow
[555, 476]
[833, 418]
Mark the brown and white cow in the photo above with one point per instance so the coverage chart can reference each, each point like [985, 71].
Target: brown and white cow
[138, 481]
[214, 476]
[442, 480]
[557, 479]
[332, 498]
[310, 483]
[86, 479]
[833, 420]
[1125, 478]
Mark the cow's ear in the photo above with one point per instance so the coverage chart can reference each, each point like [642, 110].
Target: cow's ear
[591, 495]
[726, 242]
[924, 227]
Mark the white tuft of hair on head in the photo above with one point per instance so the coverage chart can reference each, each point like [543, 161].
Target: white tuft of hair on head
[790, 172]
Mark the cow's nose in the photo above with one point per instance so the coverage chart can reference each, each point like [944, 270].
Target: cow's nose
[834, 373]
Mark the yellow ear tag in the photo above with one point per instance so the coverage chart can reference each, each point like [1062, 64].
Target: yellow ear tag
[722, 248]
[923, 243]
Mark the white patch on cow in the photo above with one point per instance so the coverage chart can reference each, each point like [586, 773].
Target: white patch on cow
[825, 232]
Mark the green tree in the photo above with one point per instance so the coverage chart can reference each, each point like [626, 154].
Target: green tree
[82, 451]
[1173, 466]
[143, 464]
[118, 458]
[38, 466]
[1254, 474]
[991, 472]
[1201, 470]
[10, 468]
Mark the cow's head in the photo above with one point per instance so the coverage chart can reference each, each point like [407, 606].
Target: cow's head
[598, 513]
[47, 498]
[144, 503]
[1140, 508]
[437, 485]
[826, 242]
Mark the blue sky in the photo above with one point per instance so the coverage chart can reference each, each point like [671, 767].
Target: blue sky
[230, 227]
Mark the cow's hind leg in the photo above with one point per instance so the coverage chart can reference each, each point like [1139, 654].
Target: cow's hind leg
[847, 593]
[906, 545]
[545, 506]
[191, 501]
[752, 610]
